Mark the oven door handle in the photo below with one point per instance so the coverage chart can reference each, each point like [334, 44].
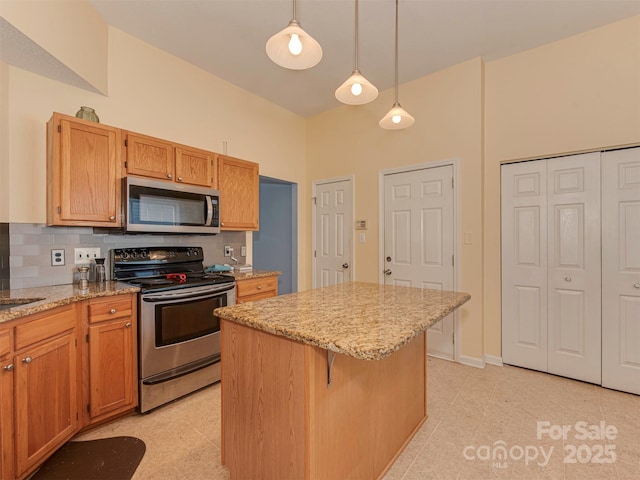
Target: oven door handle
[176, 295]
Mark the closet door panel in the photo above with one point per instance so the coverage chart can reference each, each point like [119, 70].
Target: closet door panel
[524, 260]
[621, 270]
[574, 287]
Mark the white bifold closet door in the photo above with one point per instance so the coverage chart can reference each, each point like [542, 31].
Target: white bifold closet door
[621, 270]
[551, 266]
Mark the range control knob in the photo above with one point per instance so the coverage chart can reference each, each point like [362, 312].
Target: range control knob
[124, 255]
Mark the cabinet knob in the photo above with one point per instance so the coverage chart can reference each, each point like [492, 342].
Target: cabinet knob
[27, 360]
[259, 287]
[179, 179]
[169, 175]
[8, 368]
[567, 279]
[112, 218]
[112, 311]
[128, 324]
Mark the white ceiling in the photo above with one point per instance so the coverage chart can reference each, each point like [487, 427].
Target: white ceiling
[227, 37]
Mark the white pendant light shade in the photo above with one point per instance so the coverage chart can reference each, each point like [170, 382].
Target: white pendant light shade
[356, 90]
[293, 48]
[397, 118]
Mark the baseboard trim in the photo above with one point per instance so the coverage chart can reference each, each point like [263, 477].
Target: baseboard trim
[471, 361]
[493, 360]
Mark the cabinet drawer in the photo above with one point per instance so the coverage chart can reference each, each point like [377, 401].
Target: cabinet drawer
[256, 297]
[108, 308]
[45, 325]
[257, 286]
[5, 344]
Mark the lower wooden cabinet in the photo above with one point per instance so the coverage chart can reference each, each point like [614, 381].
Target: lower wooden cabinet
[111, 357]
[252, 289]
[52, 384]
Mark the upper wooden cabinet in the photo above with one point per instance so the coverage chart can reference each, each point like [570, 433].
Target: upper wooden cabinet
[156, 158]
[83, 173]
[239, 193]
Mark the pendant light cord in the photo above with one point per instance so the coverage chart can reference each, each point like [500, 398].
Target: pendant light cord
[356, 45]
[396, 51]
[294, 10]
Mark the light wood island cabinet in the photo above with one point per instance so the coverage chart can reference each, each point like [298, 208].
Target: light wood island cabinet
[83, 173]
[238, 182]
[156, 158]
[110, 358]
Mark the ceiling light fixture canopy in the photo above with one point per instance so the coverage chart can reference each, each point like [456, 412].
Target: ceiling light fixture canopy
[293, 48]
[356, 90]
[397, 118]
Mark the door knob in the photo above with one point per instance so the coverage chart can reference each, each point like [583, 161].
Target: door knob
[345, 265]
[567, 279]
[636, 285]
[387, 272]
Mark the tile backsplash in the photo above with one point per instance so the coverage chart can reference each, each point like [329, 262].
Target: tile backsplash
[4, 256]
[29, 250]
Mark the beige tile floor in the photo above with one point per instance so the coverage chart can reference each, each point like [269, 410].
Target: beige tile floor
[472, 412]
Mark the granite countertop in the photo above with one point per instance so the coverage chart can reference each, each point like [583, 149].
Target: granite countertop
[368, 321]
[55, 296]
[253, 274]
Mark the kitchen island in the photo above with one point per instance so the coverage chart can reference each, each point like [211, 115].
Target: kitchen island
[326, 383]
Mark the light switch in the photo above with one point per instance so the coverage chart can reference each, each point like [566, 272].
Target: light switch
[362, 237]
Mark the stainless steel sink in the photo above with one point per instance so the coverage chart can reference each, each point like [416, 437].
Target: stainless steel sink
[6, 303]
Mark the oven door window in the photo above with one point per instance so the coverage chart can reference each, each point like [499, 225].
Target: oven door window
[180, 322]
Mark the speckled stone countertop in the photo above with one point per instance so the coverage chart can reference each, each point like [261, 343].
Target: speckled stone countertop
[364, 320]
[55, 296]
[253, 274]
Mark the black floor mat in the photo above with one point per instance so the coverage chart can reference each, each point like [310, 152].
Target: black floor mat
[105, 459]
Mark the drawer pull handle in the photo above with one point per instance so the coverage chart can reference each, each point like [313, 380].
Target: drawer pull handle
[27, 360]
[112, 311]
[128, 324]
[8, 368]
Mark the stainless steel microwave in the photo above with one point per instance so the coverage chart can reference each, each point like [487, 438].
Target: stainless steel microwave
[153, 206]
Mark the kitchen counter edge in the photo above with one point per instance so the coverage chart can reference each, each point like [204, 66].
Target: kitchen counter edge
[50, 297]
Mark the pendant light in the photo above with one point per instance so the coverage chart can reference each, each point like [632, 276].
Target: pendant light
[356, 90]
[294, 48]
[397, 118]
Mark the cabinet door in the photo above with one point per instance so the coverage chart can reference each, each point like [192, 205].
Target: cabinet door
[239, 194]
[111, 366]
[194, 167]
[149, 157]
[84, 163]
[45, 399]
[6, 407]
[621, 270]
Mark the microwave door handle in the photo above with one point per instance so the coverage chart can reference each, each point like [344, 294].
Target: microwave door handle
[209, 210]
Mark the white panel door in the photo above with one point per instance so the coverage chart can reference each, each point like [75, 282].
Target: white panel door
[333, 232]
[621, 270]
[524, 264]
[574, 267]
[418, 240]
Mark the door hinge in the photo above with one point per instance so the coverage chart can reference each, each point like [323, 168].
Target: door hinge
[89, 407]
[126, 142]
[59, 209]
[76, 415]
[126, 164]
[75, 340]
[314, 254]
[314, 200]
[451, 182]
[453, 260]
[87, 337]
[59, 128]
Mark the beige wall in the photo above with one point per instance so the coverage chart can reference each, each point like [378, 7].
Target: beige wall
[4, 142]
[71, 31]
[448, 110]
[578, 94]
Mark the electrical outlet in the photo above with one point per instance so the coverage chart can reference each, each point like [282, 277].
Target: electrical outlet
[228, 251]
[243, 251]
[57, 257]
[85, 255]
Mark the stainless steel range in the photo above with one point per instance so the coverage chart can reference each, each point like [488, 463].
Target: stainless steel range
[179, 337]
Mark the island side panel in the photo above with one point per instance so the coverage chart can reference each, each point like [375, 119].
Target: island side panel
[263, 404]
[359, 425]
